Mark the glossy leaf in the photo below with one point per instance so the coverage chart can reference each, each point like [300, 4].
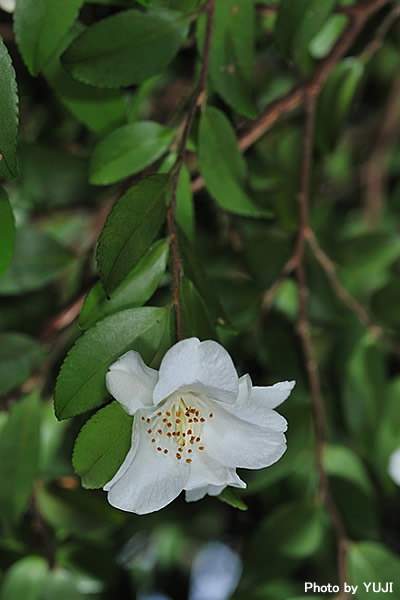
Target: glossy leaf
[137, 287]
[126, 48]
[372, 562]
[196, 321]
[222, 165]
[20, 355]
[232, 53]
[102, 445]
[40, 26]
[336, 101]
[98, 108]
[19, 457]
[37, 261]
[130, 228]
[7, 232]
[127, 150]
[297, 24]
[342, 462]
[8, 115]
[81, 381]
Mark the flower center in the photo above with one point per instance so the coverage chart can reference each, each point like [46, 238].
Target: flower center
[176, 427]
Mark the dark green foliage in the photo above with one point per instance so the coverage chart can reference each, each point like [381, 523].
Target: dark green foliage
[130, 229]
[7, 232]
[102, 55]
[8, 115]
[102, 445]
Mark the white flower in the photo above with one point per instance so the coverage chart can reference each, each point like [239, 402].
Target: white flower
[7, 5]
[195, 423]
[394, 466]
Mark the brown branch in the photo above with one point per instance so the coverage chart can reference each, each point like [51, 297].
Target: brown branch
[303, 328]
[357, 14]
[270, 293]
[354, 306]
[374, 171]
[198, 99]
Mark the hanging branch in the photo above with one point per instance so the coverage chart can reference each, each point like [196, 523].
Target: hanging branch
[357, 14]
[303, 329]
[198, 98]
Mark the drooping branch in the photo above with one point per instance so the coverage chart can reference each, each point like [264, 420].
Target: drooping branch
[197, 100]
[357, 14]
[304, 331]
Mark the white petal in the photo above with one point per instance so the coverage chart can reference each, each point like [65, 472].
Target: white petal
[273, 395]
[129, 457]
[7, 5]
[238, 443]
[394, 466]
[149, 481]
[131, 382]
[206, 471]
[255, 409]
[199, 493]
[213, 490]
[203, 367]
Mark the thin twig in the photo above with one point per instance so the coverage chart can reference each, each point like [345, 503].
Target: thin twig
[303, 328]
[176, 169]
[374, 172]
[270, 293]
[354, 306]
[357, 14]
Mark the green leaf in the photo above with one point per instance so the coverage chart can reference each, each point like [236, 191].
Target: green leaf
[127, 150]
[40, 26]
[126, 48]
[222, 165]
[37, 261]
[372, 562]
[8, 115]
[25, 579]
[340, 461]
[81, 381]
[297, 24]
[19, 457]
[137, 287]
[296, 529]
[130, 228]
[7, 232]
[335, 102]
[20, 355]
[98, 108]
[184, 213]
[196, 320]
[230, 496]
[326, 37]
[232, 53]
[102, 445]
[364, 385]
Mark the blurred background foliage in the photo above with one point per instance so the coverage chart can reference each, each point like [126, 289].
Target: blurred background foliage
[59, 540]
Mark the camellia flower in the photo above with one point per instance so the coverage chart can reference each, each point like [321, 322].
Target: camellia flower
[195, 423]
[394, 466]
